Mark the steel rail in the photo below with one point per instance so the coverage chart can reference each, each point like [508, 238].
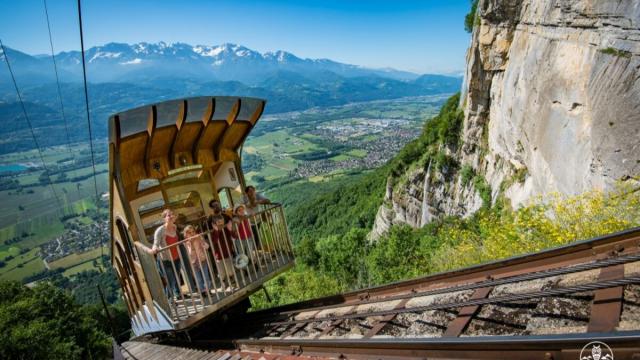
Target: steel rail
[531, 341]
[487, 283]
[624, 345]
[506, 298]
[589, 244]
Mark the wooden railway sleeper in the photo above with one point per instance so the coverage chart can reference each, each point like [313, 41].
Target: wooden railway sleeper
[506, 298]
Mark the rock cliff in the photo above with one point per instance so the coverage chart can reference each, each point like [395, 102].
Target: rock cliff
[551, 103]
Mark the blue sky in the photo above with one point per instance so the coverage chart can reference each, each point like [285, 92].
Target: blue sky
[422, 36]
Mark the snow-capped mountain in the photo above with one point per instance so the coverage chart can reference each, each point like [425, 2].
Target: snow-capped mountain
[122, 76]
[143, 61]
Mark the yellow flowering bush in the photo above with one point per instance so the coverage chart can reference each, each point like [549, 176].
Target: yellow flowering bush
[558, 221]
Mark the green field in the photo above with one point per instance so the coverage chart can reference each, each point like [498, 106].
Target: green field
[30, 216]
[76, 259]
[359, 153]
[22, 265]
[340, 157]
[42, 228]
[276, 149]
[79, 268]
[7, 250]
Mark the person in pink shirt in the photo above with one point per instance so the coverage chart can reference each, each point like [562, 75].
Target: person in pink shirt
[197, 249]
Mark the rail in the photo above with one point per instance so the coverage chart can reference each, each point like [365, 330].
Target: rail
[220, 263]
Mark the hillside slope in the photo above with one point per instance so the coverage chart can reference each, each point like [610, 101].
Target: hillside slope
[551, 103]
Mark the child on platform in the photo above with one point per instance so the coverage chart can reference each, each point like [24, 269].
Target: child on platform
[197, 249]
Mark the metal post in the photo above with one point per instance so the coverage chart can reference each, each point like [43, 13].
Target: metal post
[106, 311]
[233, 245]
[187, 279]
[251, 250]
[262, 250]
[215, 274]
[273, 237]
[177, 279]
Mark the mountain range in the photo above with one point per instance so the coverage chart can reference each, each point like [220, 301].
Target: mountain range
[125, 75]
[119, 62]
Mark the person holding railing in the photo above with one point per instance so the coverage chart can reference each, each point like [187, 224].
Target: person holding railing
[197, 250]
[166, 235]
[252, 200]
[245, 242]
[222, 237]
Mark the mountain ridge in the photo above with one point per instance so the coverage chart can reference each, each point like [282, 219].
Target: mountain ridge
[122, 76]
[121, 62]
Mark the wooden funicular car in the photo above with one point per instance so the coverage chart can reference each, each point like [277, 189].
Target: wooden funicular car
[181, 155]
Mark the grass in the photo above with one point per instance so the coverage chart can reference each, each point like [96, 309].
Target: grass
[9, 251]
[40, 230]
[22, 266]
[340, 157]
[275, 148]
[42, 201]
[72, 260]
[88, 265]
[359, 153]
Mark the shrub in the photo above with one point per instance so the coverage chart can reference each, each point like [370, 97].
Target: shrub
[616, 52]
[520, 175]
[467, 174]
[483, 189]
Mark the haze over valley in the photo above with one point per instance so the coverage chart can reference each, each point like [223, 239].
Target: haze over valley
[315, 109]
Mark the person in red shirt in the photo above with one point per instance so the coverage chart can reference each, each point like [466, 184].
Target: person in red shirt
[222, 237]
[246, 243]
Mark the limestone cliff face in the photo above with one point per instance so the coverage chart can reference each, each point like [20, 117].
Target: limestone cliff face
[552, 104]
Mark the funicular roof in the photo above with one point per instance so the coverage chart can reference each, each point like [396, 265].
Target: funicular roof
[151, 140]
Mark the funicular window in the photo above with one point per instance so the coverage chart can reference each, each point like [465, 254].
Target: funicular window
[149, 214]
[188, 207]
[151, 206]
[126, 239]
[185, 168]
[183, 176]
[145, 184]
[226, 200]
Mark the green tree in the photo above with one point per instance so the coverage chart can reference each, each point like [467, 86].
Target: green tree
[402, 254]
[341, 256]
[45, 323]
[306, 251]
[470, 19]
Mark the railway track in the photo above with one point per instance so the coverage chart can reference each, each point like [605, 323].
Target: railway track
[546, 305]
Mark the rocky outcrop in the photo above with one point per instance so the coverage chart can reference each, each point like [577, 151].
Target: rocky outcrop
[552, 104]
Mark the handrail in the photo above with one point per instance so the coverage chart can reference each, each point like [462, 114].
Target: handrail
[256, 248]
[184, 240]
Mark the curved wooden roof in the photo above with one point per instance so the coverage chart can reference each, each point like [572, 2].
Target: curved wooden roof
[151, 140]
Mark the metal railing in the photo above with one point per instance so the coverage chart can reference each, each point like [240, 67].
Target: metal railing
[221, 260]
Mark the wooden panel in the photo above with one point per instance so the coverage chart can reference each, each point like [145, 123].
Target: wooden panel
[234, 136]
[209, 136]
[158, 151]
[607, 303]
[185, 143]
[131, 154]
[457, 326]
